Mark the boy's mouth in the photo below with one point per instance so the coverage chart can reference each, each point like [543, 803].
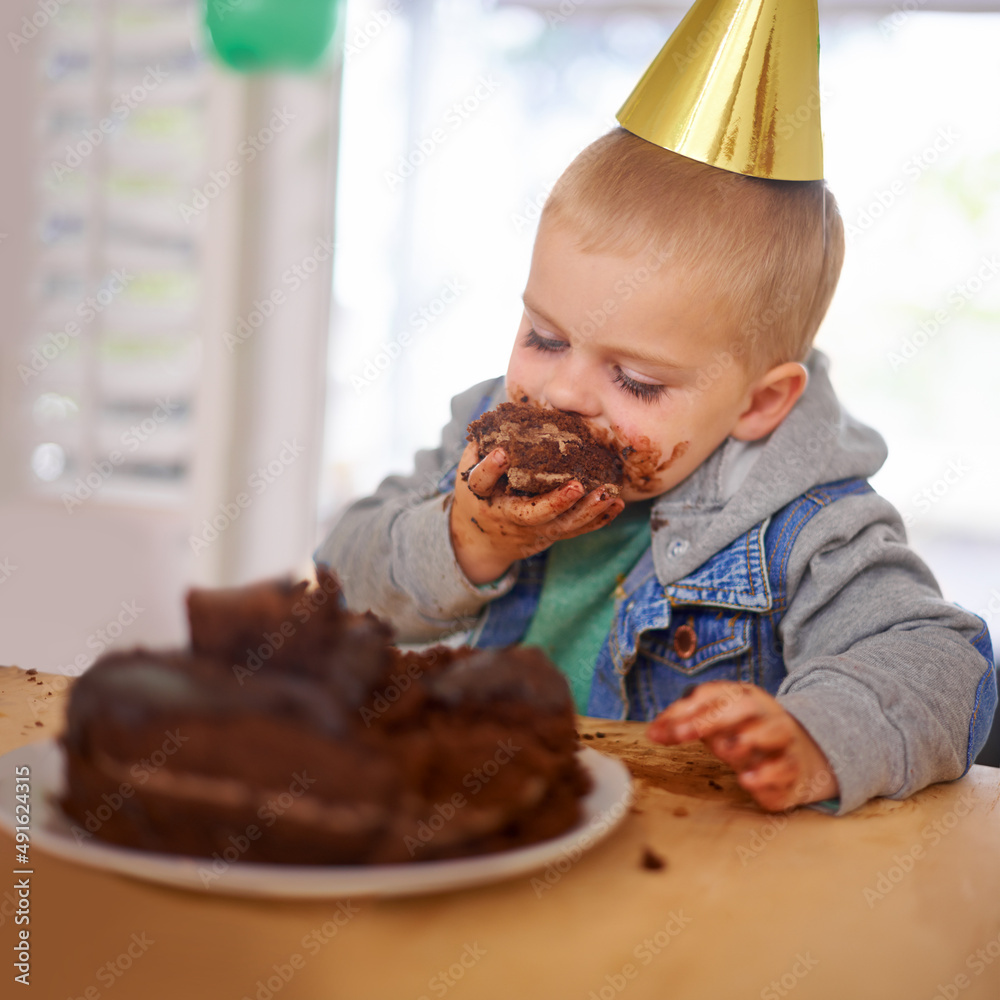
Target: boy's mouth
[641, 460]
[546, 448]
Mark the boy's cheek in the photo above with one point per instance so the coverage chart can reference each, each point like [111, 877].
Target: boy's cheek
[517, 391]
[648, 473]
[521, 380]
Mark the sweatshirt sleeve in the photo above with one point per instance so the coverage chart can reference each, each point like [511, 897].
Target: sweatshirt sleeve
[895, 684]
[392, 551]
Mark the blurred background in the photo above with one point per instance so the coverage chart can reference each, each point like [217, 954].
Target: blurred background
[234, 302]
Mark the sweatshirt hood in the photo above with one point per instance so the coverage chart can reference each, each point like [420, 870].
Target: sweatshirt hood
[739, 485]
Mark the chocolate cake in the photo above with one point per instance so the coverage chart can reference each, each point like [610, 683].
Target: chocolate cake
[546, 449]
[293, 732]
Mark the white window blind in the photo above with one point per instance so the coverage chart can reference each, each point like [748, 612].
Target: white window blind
[111, 363]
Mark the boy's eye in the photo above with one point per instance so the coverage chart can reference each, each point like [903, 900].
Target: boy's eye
[647, 392]
[540, 343]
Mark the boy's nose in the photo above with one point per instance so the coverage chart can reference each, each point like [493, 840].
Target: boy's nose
[570, 390]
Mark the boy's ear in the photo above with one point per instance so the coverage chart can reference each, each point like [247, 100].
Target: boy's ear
[769, 400]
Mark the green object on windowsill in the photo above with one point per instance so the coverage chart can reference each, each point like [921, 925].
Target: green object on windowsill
[258, 35]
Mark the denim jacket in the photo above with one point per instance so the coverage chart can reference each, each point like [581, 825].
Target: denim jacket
[790, 573]
[720, 622]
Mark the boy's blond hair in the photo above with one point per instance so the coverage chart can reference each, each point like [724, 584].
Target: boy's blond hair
[770, 250]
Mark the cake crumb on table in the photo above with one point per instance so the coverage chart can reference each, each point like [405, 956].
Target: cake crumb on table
[651, 861]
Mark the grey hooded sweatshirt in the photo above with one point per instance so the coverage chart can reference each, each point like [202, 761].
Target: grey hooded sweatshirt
[882, 671]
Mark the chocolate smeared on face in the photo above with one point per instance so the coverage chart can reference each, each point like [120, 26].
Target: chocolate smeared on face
[547, 448]
[643, 461]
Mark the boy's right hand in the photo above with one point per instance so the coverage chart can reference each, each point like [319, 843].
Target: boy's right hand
[489, 535]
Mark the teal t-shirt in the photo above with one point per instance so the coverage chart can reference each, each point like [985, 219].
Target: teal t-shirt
[577, 603]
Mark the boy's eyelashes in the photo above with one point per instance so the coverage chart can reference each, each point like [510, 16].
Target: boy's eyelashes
[540, 343]
[647, 392]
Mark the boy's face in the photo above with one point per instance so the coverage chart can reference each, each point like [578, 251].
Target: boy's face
[623, 342]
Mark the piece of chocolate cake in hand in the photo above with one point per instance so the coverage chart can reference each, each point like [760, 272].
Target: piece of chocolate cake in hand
[546, 449]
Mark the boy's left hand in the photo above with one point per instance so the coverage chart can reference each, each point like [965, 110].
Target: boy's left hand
[775, 759]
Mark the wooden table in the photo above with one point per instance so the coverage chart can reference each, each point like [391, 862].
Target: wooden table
[898, 900]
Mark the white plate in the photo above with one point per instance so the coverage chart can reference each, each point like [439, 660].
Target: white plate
[603, 809]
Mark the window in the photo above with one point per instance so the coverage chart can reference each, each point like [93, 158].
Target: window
[111, 361]
[458, 116]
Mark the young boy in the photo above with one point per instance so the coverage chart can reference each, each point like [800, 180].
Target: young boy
[673, 304]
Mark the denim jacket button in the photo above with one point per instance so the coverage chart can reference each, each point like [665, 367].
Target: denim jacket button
[685, 642]
[679, 547]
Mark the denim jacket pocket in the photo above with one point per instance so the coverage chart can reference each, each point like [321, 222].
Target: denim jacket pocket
[699, 638]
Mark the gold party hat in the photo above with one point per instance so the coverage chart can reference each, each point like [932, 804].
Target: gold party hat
[737, 87]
